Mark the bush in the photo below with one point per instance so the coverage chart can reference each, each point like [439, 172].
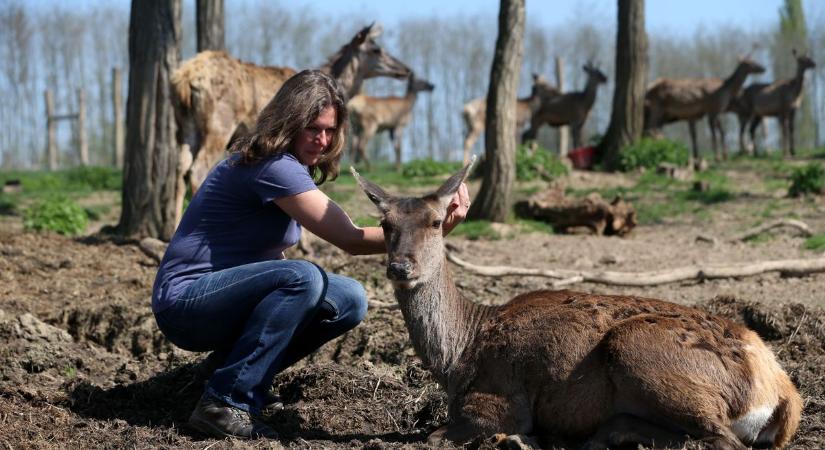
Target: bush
[95, 178]
[809, 179]
[649, 153]
[429, 168]
[58, 213]
[537, 164]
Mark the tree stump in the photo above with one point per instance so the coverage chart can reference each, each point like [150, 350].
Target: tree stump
[593, 212]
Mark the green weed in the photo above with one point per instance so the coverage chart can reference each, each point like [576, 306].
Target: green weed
[57, 213]
[476, 229]
[649, 153]
[816, 243]
[809, 179]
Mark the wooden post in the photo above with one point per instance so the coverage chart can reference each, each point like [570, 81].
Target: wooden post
[117, 107]
[51, 133]
[564, 131]
[82, 143]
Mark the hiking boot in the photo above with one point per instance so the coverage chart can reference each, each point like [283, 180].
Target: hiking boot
[215, 418]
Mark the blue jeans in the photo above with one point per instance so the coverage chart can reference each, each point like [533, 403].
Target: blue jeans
[263, 317]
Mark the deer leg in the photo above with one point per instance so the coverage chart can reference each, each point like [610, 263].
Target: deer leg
[396, 136]
[743, 147]
[713, 144]
[623, 429]
[754, 124]
[721, 129]
[694, 159]
[367, 134]
[483, 414]
[577, 135]
[791, 125]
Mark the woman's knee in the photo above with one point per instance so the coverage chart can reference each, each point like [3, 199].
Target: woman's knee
[311, 279]
[350, 299]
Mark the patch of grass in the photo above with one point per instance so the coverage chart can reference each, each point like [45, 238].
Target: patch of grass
[531, 225]
[366, 221]
[475, 230]
[78, 179]
[97, 212]
[57, 213]
[537, 163]
[8, 205]
[339, 195]
[809, 179]
[69, 372]
[429, 168]
[816, 243]
[770, 209]
[649, 153]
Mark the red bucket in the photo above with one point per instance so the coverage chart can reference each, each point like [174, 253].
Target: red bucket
[582, 157]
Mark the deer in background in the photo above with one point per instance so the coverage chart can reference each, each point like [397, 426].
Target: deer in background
[214, 94]
[607, 369]
[571, 108]
[475, 111]
[371, 115]
[779, 99]
[690, 99]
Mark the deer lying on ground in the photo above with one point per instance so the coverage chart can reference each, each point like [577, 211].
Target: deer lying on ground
[690, 99]
[214, 93]
[779, 99]
[475, 111]
[371, 115]
[571, 108]
[606, 369]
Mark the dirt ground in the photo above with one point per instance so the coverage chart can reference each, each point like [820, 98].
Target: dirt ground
[83, 365]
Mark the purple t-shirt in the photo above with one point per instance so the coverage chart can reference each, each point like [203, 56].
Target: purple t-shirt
[232, 221]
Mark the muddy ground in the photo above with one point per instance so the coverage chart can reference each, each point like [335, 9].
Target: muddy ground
[82, 364]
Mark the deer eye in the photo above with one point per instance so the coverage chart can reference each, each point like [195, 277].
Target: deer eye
[436, 224]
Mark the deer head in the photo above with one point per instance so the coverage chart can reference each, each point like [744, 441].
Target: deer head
[750, 66]
[415, 84]
[594, 73]
[803, 61]
[412, 229]
[375, 61]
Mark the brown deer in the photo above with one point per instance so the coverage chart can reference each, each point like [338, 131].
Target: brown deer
[669, 99]
[475, 111]
[371, 115]
[214, 93]
[604, 369]
[571, 108]
[779, 99]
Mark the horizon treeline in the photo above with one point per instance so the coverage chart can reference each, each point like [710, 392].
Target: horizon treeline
[63, 49]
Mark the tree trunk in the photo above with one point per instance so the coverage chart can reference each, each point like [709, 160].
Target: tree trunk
[627, 118]
[494, 198]
[151, 161]
[210, 25]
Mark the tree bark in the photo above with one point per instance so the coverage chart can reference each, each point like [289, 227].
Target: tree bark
[627, 118]
[151, 159]
[210, 25]
[494, 198]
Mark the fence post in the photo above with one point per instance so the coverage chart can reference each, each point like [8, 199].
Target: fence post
[564, 131]
[51, 132]
[82, 142]
[117, 103]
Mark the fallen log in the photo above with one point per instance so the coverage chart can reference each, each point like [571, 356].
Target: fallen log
[803, 228]
[796, 267]
[593, 212]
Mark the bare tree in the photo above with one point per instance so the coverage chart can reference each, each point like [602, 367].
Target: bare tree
[494, 199]
[627, 119]
[210, 25]
[151, 164]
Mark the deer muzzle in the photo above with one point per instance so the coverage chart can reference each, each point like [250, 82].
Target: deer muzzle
[400, 270]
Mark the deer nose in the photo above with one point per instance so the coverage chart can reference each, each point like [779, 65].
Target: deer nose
[399, 270]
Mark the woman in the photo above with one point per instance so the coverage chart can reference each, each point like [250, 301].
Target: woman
[224, 285]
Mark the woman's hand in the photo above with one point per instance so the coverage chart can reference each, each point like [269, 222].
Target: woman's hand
[457, 211]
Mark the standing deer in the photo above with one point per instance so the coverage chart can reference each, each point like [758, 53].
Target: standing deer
[571, 108]
[779, 99]
[475, 111]
[371, 115]
[607, 369]
[690, 99]
[214, 93]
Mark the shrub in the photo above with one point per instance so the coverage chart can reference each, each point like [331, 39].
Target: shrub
[809, 179]
[95, 178]
[57, 213]
[649, 153]
[429, 168]
[537, 164]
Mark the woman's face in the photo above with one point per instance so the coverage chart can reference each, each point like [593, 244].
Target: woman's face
[314, 140]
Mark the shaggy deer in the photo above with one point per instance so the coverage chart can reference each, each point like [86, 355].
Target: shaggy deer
[690, 99]
[214, 93]
[779, 99]
[605, 369]
[475, 111]
[371, 115]
[571, 108]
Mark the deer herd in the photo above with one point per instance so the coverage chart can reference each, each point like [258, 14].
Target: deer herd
[609, 370]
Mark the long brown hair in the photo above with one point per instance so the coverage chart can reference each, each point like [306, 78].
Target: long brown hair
[296, 105]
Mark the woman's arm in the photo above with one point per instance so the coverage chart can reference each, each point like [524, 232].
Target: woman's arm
[323, 217]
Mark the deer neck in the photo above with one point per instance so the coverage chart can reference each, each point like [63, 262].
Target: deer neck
[345, 69]
[590, 92]
[734, 82]
[441, 321]
[798, 80]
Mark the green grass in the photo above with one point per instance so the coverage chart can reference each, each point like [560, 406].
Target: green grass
[366, 221]
[816, 243]
[475, 230]
[530, 225]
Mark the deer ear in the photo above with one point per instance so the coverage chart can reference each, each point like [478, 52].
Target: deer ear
[450, 187]
[374, 193]
[375, 30]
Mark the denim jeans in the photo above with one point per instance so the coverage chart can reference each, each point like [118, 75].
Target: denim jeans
[264, 317]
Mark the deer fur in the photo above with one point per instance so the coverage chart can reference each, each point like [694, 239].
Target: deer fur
[607, 370]
[371, 115]
[779, 99]
[571, 108]
[690, 99]
[213, 94]
[474, 112]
